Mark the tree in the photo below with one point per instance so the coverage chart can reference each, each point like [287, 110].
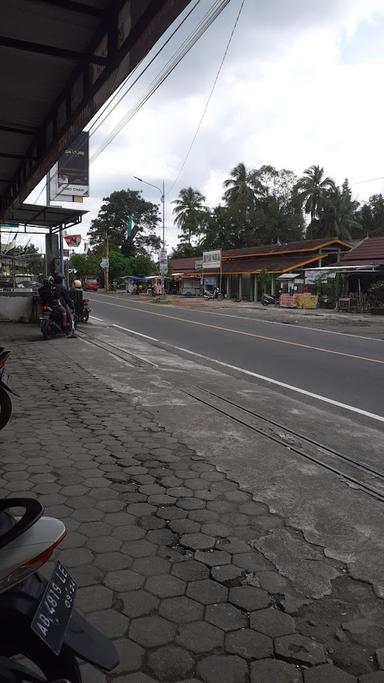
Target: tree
[312, 189]
[189, 213]
[241, 188]
[371, 216]
[33, 260]
[80, 264]
[338, 214]
[112, 220]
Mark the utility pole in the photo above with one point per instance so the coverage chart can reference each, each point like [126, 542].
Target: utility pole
[106, 270]
[162, 199]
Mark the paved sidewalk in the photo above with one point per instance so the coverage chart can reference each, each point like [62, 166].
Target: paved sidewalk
[159, 540]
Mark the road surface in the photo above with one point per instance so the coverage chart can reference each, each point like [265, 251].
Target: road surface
[344, 371]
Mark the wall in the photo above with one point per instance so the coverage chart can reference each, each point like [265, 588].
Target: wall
[16, 306]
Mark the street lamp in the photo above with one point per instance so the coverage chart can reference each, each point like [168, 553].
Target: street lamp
[162, 199]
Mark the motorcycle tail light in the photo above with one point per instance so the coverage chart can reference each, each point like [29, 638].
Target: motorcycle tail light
[30, 567]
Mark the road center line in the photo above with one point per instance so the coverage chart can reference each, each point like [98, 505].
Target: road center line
[262, 320]
[250, 334]
[264, 378]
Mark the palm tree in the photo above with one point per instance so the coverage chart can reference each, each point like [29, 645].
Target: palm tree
[189, 212]
[312, 189]
[338, 215]
[241, 187]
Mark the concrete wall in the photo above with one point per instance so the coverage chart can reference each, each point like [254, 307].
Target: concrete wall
[16, 306]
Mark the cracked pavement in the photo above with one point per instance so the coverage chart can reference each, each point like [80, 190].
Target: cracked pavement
[173, 558]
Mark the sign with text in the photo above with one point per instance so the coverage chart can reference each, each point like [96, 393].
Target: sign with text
[211, 259]
[199, 264]
[69, 178]
[73, 240]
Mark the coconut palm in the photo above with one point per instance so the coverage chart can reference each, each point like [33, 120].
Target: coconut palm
[189, 212]
[312, 189]
[338, 214]
[241, 187]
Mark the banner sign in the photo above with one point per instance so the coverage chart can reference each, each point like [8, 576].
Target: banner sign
[211, 259]
[73, 240]
[104, 263]
[163, 261]
[69, 178]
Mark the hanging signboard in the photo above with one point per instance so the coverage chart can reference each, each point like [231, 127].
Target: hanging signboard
[211, 259]
[73, 240]
[104, 263]
[69, 177]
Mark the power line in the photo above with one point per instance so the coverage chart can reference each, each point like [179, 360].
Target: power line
[209, 97]
[370, 180]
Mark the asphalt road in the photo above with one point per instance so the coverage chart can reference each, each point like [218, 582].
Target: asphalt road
[341, 368]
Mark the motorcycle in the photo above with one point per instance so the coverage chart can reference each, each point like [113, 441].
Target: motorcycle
[268, 299]
[37, 616]
[86, 310]
[5, 390]
[50, 322]
[216, 294]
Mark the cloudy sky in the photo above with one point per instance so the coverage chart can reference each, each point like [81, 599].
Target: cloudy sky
[302, 84]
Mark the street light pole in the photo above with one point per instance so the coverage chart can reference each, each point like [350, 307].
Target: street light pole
[162, 199]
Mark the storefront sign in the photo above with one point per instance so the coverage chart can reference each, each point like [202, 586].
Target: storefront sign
[69, 177]
[211, 259]
[199, 264]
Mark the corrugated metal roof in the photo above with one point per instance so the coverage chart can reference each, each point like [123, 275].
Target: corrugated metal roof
[289, 247]
[60, 62]
[369, 252]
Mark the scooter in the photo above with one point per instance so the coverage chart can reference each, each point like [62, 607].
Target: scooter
[50, 322]
[5, 390]
[86, 310]
[37, 616]
[268, 299]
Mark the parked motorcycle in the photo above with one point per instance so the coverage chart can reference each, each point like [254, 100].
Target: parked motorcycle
[268, 299]
[215, 294]
[86, 310]
[5, 390]
[37, 616]
[50, 322]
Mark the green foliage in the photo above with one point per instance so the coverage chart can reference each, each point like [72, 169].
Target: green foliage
[337, 214]
[376, 294]
[112, 220]
[80, 263]
[190, 214]
[371, 216]
[312, 189]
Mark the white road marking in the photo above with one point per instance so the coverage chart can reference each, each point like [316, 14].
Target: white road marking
[270, 380]
[261, 320]
[99, 319]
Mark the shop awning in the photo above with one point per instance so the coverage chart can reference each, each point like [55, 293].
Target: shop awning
[35, 219]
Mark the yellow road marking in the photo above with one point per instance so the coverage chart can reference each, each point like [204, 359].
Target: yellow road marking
[250, 334]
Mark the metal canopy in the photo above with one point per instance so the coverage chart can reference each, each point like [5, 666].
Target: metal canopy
[60, 62]
[30, 216]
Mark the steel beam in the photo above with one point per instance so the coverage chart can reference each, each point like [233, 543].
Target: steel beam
[39, 48]
[21, 131]
[73, 6]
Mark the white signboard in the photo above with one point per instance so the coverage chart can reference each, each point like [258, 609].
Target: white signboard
[104, 263]
[211, 259]
[163, 261]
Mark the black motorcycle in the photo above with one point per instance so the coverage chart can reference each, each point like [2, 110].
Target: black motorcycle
[269, 299]
[50, 322]
[38, 621]
[5, 390]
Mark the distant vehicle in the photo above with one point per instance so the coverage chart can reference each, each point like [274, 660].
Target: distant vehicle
[91, 284]
[28, 284]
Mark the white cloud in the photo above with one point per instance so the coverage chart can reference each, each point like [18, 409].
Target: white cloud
[286, 96]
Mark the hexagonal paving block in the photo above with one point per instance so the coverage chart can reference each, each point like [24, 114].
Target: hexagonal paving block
[128, 533]
[331, 674]
[152, 631]
[272, 622]
[161, 537]
[190, 570]
[197, 541]
[207, 592]
[252, 508]
[113, 561]
[124, 580]
[226, 616]
[272, 582]
[93, 598]
[249, 598]
[273, 671]
[131, 656]
[199, 636]
[165, 586]
[140, 509]
[184, 526]
[110, 622]
[138, 677]
[181, 610]
[252, 561]
[140, 548]
[228, 574]
[149, 522]
[171, 512]
[147, 566]
[249, 644]
[213, 558]
[376, 677]
[190, 503]
[170, 663]
[104, 544]
[76, 557]
[223, 669]
[300, 649]
[137, 603]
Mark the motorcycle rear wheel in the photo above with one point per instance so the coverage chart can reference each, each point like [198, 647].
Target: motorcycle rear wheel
[85, 316]
[54, 668]
[5, 408]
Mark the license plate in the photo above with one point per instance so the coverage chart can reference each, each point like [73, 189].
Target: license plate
[54, 611]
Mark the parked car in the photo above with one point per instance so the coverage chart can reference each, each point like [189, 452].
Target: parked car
[91, 284]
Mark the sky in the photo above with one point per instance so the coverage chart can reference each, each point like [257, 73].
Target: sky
[301, 85]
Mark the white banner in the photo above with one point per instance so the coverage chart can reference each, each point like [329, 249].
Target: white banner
[211, 259]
